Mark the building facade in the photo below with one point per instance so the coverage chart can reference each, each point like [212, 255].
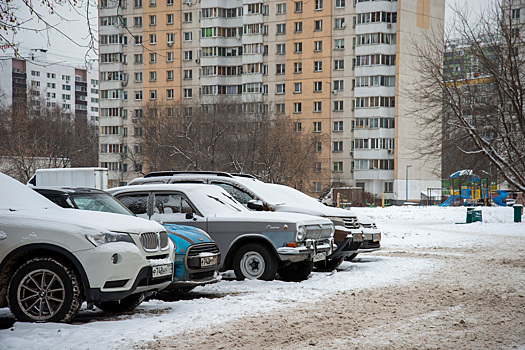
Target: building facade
[334, 66]
[57, 84]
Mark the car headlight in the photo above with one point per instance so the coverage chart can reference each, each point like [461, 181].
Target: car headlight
[109, 237]
[301, 232]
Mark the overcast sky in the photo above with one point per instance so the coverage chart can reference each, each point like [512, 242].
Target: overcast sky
[61, 48]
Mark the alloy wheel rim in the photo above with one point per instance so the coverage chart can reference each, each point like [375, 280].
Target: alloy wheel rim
[41, 294]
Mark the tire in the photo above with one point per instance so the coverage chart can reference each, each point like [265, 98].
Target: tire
[44, 290]
[296, 272]
[127, 304]
[351, 257]
[328, 265]
[254, 261]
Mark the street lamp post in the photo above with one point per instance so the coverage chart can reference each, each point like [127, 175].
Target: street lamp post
[408, 166]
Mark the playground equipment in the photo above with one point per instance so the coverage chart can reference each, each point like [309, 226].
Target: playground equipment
[499, 200]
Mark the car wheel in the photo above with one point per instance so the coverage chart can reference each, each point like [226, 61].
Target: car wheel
[254, 261]
[43, 289]
[296, 272]
[351, 257]
[127, 304]
[328, 265]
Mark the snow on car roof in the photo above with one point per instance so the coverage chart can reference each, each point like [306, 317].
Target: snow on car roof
[17, 196]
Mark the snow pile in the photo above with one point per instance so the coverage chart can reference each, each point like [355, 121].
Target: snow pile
[403, 229]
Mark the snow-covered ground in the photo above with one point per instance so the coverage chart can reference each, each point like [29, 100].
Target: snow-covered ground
[404, 228]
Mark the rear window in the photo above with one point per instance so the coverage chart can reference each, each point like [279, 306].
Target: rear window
[98, 202]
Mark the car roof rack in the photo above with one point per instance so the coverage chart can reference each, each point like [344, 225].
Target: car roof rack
[172, 173]
[244, 175]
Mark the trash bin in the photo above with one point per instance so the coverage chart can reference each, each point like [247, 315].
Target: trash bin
[476, 216]
[518, 208]
[469, 215]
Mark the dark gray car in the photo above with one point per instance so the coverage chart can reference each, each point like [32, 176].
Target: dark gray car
[256, 245]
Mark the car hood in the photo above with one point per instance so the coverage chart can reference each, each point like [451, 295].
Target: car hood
[74, 220]
[275, 217]
[189, 234]
[318, 210]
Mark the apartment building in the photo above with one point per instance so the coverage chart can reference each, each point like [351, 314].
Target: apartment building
[334, 66]
[57, 84]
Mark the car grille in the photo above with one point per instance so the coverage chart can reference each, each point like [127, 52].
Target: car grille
[370, 245]
[351, 222]
[152, 241]
[318, 231]
[369, 225]
[196, 249]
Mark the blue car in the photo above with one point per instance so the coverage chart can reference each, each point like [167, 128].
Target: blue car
[197, 256]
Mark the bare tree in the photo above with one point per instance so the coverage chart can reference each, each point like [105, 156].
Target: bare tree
[34, 136]
[478, 94]
[223, 136]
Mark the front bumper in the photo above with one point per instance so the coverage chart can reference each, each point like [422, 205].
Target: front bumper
[347, 240]
[305, 253]
[189, 272]
[371, 241]
[117, 270]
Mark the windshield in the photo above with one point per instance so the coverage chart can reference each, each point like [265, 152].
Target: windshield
[99, 202]
[280, 195]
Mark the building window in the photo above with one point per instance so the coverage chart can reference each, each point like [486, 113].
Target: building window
[153, 94]
[298, 127]
[297, 88]
[338, 106]
[188, 93]
[339, 44]
[317, 167]
[281, 9]
[138, 3]
[169, 18]
[188, 55]
[317, 186]
[153, 76]
[318, 46]
[318, 5]
[339, 85]
[318, 66]
[317, 126]
[389, 187]
[298, 67]
[152, 57]
[337, 167]
[188, 74]
[138, 95]
[153, 39]
[340, 23]
[297, 107]
[188, 36]
[280, 89]
[318, 146]
[188, 17]
[318, 25]
[318, 86]
[138, 77]
[281, 49]
[340, 3]
[515, 13]
[281, 28]
[298, 47]
[339, 64]
[317, 106]
[169, 94]
[280, 108]
[298, 6]
[138, 39]
[169, 56]
[338, 146]
[152, 20]
[338, 126]
[137, 21]
[169, 75]
[280, 68]
[153, 3]
[298, 27]
[170, 38]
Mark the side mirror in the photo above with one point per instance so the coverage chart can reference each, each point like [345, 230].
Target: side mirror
[255, 204]
[189, 216]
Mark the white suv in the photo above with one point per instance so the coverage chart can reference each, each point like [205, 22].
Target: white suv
[52, 259]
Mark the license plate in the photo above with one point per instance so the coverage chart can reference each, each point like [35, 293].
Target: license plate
[208, 261]
[320, 256]
[161, 270]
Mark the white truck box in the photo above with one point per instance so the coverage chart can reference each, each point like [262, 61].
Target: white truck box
[72, 177]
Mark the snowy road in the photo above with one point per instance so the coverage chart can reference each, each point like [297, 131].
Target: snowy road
[417, 243]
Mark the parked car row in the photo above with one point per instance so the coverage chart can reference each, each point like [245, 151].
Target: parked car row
[168, 230]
